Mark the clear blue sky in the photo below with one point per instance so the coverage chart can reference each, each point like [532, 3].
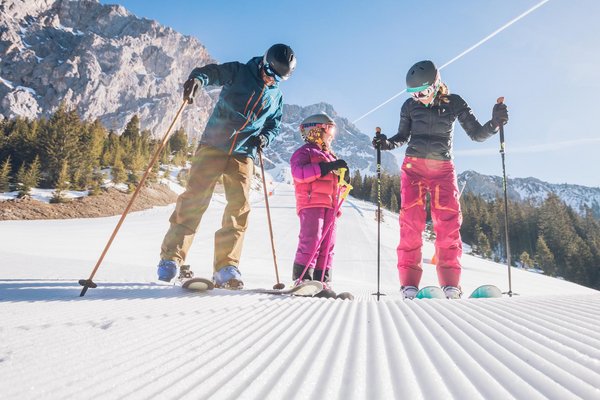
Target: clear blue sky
[355, 54]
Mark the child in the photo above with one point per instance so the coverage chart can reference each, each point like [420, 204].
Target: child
[313, 168]
[426, 126]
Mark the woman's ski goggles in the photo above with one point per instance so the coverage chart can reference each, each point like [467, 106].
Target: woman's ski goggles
[425, 91]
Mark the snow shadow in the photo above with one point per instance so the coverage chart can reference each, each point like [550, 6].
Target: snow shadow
[23, 290]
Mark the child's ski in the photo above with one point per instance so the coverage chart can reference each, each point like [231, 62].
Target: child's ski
[309, 289]
[486, 292]
[345, 296]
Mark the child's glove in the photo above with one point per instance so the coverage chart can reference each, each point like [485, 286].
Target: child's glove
[327, 167]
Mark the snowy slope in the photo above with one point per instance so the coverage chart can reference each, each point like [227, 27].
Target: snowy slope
[134, 338]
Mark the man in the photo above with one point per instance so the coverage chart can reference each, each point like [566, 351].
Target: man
[246, 118]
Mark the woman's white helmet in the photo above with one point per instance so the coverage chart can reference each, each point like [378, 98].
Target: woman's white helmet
[313, 126]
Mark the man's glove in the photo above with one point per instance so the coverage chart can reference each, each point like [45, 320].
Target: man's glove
[383, 142]
[327, 167]
[190, 88]
[259, 141]
[499, 115]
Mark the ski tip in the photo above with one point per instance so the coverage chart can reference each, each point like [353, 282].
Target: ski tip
[198, 284]
[486, 292]
[345, 296]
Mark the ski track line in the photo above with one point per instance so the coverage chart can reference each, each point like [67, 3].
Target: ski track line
[542, 373]
[559, 312]
[558, 324]
[128, 343]
[422, 352]
[448, 355]
[355, 367]
[313, 373]
[184, 359]
[134, 341]
[581, 366]
[470, 348]
[325, 315]
[574, 344]
[555, 306]
[309, 337]
[255, 366]
[459, 335]
[561, 369]
[241, 344]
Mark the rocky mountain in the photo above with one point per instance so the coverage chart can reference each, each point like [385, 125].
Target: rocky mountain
[520, 189]
[109, 64]
[99, 59]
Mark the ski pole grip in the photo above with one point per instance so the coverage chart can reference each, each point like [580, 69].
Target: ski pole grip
[500, 100]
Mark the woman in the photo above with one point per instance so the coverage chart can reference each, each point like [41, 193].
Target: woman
[426, 126]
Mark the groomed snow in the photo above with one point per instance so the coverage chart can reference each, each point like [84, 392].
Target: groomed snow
[134, 338]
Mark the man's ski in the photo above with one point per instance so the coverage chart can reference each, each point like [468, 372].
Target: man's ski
[187, 281]
[430, 292]
[486, 292]
[197, 284]
[309, 288]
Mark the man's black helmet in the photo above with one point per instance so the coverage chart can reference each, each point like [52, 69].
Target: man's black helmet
[280, 59]
[421, 75]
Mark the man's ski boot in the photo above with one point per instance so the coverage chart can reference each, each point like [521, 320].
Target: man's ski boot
[409, 292]
[452, 292]
[167, 269]
[323, 276]
[228, 277]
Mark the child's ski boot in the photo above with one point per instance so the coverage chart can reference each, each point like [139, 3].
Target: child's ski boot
[323, 276]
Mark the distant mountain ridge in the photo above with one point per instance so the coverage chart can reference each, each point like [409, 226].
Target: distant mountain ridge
[521, 189]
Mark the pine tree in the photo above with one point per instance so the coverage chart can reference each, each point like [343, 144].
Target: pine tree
[132, 129]
[544, 259]
[62, 185]
[356, 182]
[22, 181]
[118, 170]
[59, 141]
[394, 204]
[28, 178]
[179, 142]
[5, 175]
[525, 260]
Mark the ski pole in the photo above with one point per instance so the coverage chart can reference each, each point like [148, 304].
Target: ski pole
[88, 283]
[504, 184]
[377, 134]
[278, 285]
[341, 184]
[340, 197]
